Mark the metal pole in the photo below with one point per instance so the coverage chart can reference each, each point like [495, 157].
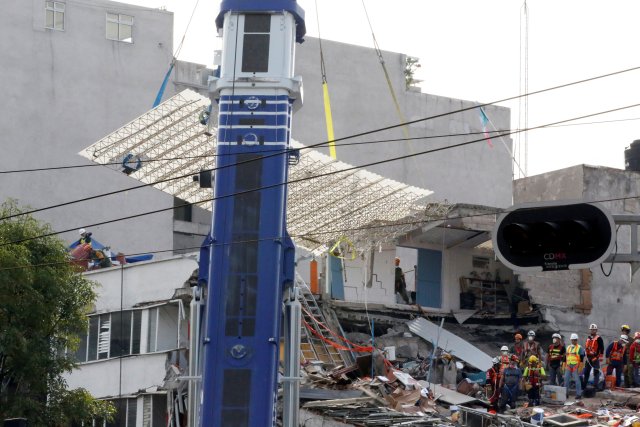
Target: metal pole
[291, 380]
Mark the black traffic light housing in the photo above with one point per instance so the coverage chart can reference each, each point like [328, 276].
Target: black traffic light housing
[553, 236]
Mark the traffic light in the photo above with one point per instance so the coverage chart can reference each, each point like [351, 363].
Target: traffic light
[553, 236]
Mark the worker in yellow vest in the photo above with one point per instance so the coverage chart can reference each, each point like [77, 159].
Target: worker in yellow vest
[574, 357]
[532, 379]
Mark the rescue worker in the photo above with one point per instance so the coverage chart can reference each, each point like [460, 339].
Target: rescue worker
[634, 359]
[617, 357]
[505, 359]
[627, 370]
[85, 236]
[531, 347]
[594, 349]
[518, 346]
[400, 283]
[574, 357]
[510, 383]
[492, 387]
[554, 360]
[532, 379]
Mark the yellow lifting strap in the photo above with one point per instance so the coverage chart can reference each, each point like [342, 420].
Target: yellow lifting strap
[329, 120]
[328, 117]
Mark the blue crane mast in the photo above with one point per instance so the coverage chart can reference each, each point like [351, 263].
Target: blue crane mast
[250, 257]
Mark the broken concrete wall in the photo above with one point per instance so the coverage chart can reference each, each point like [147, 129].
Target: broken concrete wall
[567, 296]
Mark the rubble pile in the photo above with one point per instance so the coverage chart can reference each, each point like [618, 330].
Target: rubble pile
[410, 381]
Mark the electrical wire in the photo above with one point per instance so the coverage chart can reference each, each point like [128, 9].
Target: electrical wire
[298, 180]
[447, 217]
[346, 138]
[346, 144]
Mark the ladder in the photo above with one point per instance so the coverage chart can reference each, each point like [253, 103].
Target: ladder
[312, 348]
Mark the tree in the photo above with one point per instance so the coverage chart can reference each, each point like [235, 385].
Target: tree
[44, 301]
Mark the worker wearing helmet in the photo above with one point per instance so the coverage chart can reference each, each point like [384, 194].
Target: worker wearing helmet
[85, 237]
[574, 357]
[492, 386]
[504, 357]
[517, 347]
[616, 355]
[532, 379]
[594, 349]
[509, 384]
[634, 359]
[531, 347]
[627, 369]
[554, 360]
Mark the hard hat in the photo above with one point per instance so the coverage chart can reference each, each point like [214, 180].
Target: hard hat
[556, 336]
[574, 336]
[531, 334]
[636, 336]
[518, 336]
[496, 360]
[625, 327]
[624, 338]
[504, 348]
[82, 231]
[533, 359]
[593, 326]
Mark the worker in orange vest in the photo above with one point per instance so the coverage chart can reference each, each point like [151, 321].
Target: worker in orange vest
[634, 358]
[505, 358]
[493, 385]
[518, 346]
[594, 348]
[617, 357]
[531, 347]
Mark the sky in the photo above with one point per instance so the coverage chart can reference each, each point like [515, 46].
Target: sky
[474, 50]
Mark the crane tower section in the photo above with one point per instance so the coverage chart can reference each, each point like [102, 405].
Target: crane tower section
[251, 255]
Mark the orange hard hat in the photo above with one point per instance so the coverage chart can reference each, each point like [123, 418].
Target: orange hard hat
[518, 336]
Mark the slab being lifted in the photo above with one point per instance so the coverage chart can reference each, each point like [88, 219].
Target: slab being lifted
[445, 395]
[451, 343]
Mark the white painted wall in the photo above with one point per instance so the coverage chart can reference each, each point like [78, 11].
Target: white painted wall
[103, 378]
[141, 282]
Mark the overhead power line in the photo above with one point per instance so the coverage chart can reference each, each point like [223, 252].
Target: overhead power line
[434, 150]
[340, 139]
[347, 144]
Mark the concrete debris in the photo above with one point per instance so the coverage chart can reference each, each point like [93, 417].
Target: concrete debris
[413, 384]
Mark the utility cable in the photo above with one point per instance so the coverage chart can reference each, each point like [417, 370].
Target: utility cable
[315, 233]
[347, 144]
[341, 139]
[306, 178]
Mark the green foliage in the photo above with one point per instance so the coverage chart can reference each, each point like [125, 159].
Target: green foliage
[410, 67]
[43, 307]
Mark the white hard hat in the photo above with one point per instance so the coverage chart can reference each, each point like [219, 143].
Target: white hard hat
[625, 338]
[574, 336]
[531, 334]
[82, 231]
[504, 348]
[557, 336]
[593, 326]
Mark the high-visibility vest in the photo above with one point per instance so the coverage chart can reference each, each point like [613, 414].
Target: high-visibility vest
[573, 355]
[636, 354]
[617, 352]
[504, 362]
[554, 352]
[591, 347]
[533, 373]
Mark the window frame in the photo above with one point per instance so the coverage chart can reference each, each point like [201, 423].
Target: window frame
[54, 9]
[119, 22]
[99, 329]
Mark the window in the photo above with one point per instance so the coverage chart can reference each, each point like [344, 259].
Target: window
[111, 335]
[255, 51]
[125, 413]
[120, 27]
[54, 15]
[167, 328]
[182, 211]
